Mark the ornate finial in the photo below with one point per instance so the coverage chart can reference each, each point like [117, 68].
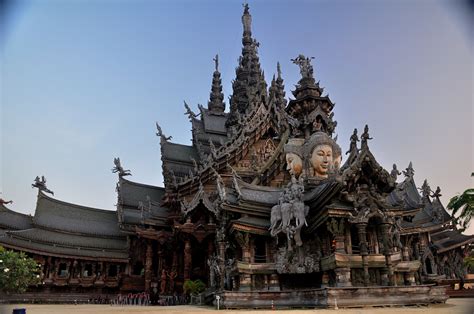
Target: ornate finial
[279, 70]
[118, 168]
[365, 137]
[216, 61]
[306, 69]
[409, 171]
[189, 112]
[161, 134]
[41, 185]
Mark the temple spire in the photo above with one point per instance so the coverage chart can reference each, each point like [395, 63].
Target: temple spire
[216, 103]
[249, 87]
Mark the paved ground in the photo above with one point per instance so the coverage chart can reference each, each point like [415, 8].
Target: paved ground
[452, 306]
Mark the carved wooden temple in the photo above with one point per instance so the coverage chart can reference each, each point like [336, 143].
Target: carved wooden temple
[260, 207]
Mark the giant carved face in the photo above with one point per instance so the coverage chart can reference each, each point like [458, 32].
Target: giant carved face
[294, 164]
[321, 160]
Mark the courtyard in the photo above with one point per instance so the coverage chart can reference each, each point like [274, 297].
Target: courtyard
[452, 306]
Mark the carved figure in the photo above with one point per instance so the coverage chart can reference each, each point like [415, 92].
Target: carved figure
[365, 137]
[306, 69]
[321, 160]
[118, 168]
[395, 173]
[354, 140]
[163, 282]
[172, 276]
[409, 171]
[437, 193]
[289, 216]
[294, 164]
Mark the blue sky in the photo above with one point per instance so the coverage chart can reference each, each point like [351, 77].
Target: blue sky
[84, 81]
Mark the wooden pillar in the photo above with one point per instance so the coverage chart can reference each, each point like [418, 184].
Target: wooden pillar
[361, 230]
[148, 265]
[348, 240]
[222, 264]
[187, 259]
[387, 251]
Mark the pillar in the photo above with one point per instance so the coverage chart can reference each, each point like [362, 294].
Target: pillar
[343, 277]
[361, 230]
[187, 259]
[387, 251]
[148, 264]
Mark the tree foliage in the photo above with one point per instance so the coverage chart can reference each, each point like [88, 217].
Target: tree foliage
[17, 271]
[462, 207]
[194, 286]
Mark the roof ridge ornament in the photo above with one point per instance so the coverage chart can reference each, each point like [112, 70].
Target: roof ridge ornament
[161, 134]
[3, 202]
[41, 185]
[395, 173]
[189, 112]
[118, 168]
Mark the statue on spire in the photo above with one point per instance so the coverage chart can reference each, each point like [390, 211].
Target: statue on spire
[306, 69]
[409, 172]
[216, 61]
[247, 19]
[365, 137]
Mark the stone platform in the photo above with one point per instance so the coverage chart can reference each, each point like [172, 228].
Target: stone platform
[332, 297]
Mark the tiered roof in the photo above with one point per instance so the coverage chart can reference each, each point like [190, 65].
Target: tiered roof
[68, 230]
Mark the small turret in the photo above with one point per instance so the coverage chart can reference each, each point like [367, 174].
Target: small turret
[216, 103]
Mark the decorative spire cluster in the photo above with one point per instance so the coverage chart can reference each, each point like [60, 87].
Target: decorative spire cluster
[216, 103]
[249, 86]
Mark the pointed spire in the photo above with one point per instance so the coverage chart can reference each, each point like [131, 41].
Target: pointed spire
[277, 90]
[249, 87]
[216, 103]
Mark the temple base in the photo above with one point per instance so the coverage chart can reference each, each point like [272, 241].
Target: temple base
[335, 297]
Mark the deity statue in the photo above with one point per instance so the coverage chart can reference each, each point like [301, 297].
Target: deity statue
[294, 154]
[321, 160]
[365, 137]
[306, 69]
[395, 173]
[354, 140]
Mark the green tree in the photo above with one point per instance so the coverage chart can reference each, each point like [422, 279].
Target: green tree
[194, 286]
[17, 271]
[462, 207]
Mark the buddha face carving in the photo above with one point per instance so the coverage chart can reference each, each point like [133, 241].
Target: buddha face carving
[294, 164]
[321, 160]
